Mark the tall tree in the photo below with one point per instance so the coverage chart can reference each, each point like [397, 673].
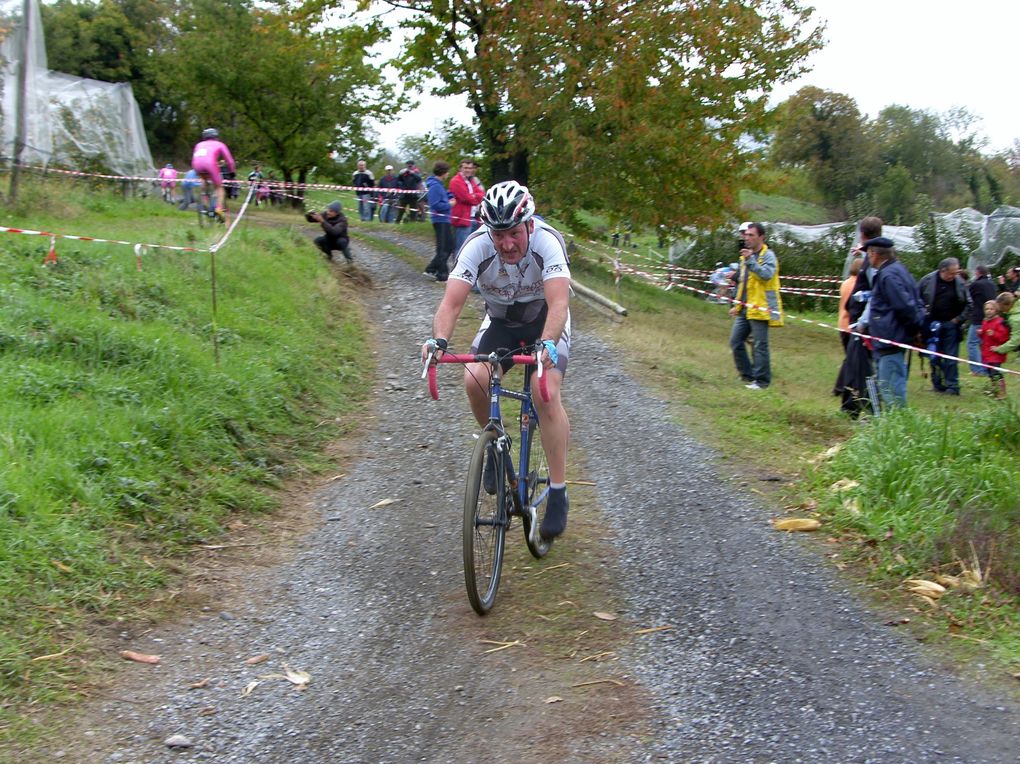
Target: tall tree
[281, 89]
[612, 103]
[825, 133]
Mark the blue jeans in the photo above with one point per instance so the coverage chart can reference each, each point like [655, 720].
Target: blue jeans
[388, 211]
[892, 378]
[366, 208]
[945, 374]
[974, 350]
[758, 330]
[460, 235]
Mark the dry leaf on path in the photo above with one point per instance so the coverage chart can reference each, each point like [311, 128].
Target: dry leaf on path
[554, 699]
[131, 655]
[844, 484]
[796, 524]
[199, 684]
[603, 616]
[257, 659]
[383, 503]
[248, 688]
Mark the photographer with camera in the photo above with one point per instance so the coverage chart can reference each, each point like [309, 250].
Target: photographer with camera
[334, 226]
[757, 308]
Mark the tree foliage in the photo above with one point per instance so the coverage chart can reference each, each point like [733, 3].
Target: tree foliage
[280, 89]
[825, 133]
[612, 104]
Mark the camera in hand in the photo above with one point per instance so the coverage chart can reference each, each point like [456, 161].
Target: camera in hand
[741, 245]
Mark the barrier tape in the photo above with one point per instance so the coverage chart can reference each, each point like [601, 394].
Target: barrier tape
[620, 268]
[235, 182]
[73, 237]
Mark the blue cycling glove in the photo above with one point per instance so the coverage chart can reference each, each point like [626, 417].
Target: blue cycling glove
[550, 348]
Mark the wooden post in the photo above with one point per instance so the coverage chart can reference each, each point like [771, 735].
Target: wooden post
[19, 105]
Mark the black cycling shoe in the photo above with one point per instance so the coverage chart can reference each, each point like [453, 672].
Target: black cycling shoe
[489, 474]
[555, 520]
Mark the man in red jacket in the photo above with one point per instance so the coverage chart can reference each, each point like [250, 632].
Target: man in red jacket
[467, 193]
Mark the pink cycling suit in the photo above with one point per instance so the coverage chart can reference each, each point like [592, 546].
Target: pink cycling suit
[167, 176]
[205, 160]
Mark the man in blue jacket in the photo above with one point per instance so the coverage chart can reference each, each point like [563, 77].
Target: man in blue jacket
[439, 210]
[896, 313]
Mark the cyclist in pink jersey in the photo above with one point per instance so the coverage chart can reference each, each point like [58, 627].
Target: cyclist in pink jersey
[205, 161]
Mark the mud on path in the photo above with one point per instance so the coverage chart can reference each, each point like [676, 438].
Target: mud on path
[767, 655]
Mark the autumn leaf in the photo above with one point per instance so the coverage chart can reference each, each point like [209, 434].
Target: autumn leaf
[131, 655]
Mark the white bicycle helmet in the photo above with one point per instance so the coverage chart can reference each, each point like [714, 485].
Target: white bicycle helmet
[209, 133]
[506, 205]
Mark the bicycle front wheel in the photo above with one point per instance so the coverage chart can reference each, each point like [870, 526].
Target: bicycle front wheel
[538, 494]
[485, 521]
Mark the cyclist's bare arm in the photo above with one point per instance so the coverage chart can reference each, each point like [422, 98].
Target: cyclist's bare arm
[454, 298]
[557, 298]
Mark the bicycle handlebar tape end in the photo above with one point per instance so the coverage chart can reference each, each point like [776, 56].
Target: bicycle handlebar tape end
[433, 384]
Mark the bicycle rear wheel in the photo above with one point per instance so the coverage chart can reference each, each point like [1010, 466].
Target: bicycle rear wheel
[538, 493]
[485, 521]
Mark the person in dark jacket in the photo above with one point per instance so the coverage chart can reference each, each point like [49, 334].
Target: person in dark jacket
[439, 210]
[981, 289]
[408, 181]
[364, 180]
[334, 226]
[946, 306]
[896, 314]
[388, 198]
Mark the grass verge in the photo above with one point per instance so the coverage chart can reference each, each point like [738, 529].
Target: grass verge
[124, 440]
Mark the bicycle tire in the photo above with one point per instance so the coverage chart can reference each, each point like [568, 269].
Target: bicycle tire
[537, 482]
[484, 527]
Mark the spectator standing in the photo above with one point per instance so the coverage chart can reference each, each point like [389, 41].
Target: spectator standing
[846, 289]
[363, 179]
[467, 193]
[995, 333]
[981, 290]
[439, 210]
[188, 186]
[1011, 281]
[758, 307]
[409, 180]
[895, 313]
[229, 174]
[334, 227]
[1011, 312]
[388, 199]
[254, 182]
[947, 306]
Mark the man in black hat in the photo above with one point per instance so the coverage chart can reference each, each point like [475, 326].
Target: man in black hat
[895, 314]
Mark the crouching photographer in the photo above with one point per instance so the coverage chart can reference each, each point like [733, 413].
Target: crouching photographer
[334, 226]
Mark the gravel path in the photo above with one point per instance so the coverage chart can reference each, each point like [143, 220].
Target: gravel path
[771, 658]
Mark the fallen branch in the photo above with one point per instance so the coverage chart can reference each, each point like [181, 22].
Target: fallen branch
[617, 682]
[667, 627]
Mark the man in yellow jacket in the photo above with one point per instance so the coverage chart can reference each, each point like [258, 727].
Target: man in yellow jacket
[757, 308]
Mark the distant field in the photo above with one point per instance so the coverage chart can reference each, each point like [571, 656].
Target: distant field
[782, 209]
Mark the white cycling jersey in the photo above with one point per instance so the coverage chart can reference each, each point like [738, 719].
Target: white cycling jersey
[513, 293]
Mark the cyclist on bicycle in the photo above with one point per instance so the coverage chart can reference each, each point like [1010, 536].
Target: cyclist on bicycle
[519, 263]
[205, 161]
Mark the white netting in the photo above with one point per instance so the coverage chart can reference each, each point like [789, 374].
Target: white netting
[37, 130]
[69, 120]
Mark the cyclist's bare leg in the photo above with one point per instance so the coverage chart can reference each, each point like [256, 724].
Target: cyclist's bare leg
[555, 426]
[219, 198]
[476, 383]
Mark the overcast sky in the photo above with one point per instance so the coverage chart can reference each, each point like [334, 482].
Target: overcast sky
[934, 54]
